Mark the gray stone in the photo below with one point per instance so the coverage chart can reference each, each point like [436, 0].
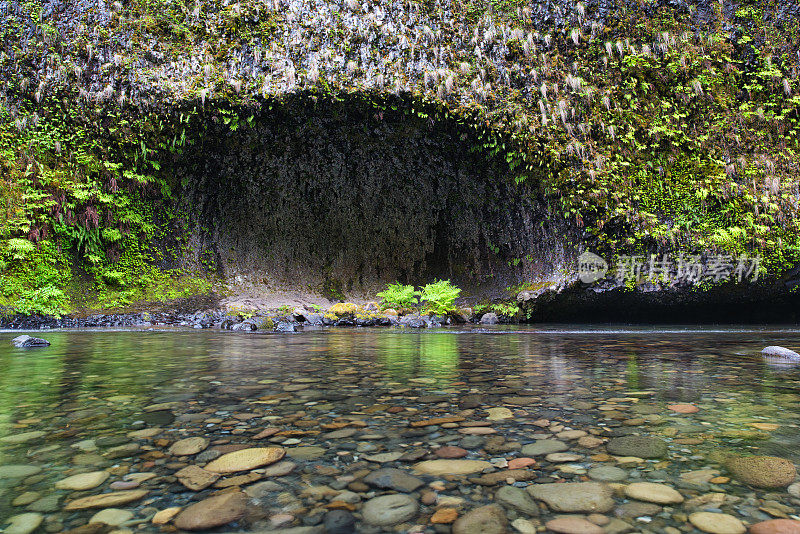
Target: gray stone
[639, 446]
[489, 318]
[582, 497]
[489, 519]
[516, 499]
[25, 342]
[607, 473]
[544, 446]
[395, 479]
[339, 522]
[389, 510]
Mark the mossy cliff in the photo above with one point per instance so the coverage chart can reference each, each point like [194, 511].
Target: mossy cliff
[149, 147]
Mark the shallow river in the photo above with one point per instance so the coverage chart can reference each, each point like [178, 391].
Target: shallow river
[443, 412]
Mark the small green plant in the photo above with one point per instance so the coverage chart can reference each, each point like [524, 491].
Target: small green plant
[398, 295]
[48, 300]
[439, 297]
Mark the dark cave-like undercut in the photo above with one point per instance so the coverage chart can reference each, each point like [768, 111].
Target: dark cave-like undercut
[346, 196]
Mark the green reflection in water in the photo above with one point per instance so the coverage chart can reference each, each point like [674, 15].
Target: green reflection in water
[405, 356]
[633, 372]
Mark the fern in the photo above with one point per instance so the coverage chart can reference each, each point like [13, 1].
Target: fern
[439, 297]
[398, 295]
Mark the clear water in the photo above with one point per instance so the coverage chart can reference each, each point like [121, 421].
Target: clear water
[94, 384]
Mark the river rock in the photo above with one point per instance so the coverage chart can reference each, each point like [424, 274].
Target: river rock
[189, 446]
[305, 453]
[584, 497]
[111, 516]
[544, 446]
[776, 526]
[714, 523]
[607, 473]
[339, 522]
[499, 413]
[15, 439]
[780, 352]
[489, 318]
[106, 500]
[23, 523]
[196, 478]
[652, 492]
[516, 499]
[573, 525]
[395, 479]
[212, 512]
[83, 481]
[18, 471]
[490, 519]
[638, 446]
[389, 510]
[762, 471]
[25, 342]
[451, 467]
[245, 459]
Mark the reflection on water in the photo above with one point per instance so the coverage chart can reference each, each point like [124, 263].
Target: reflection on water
[93, 384]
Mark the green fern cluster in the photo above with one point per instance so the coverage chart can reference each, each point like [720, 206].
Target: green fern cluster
[437, 297]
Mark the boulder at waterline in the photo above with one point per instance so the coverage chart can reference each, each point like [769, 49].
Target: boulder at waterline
[585, 497]
[489, 318]
[26, 342]
[762, 471]
[715, 523]
[245, 459]
[638, 446]
[775, 351]
[212, 512]
[490, 519]
[388, 510]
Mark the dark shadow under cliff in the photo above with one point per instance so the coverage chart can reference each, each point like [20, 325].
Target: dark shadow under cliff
[344, 196]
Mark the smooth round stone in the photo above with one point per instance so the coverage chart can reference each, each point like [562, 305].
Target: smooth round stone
[105, 500]
[517, 499]
[26, 498]
[717, 523]
[544, 446]
[638, 446]
[83, 481]
[389, 510]
[683, 408]
[23, 523]
[384, 457]
[245, 459]
[762, 471]
[607, 473]
[652, 492]
[573, 525]
[490, 519]
[305, 453]
[189, 446]
[776, 526]
[18, 471]
[450, 452]
[339, 522]
[213, 512]
[111, 516]
[571, 434]
[498, 414]
[636, 509]
[560, 457]
[583, 497]
[451, 467]
[15, 439]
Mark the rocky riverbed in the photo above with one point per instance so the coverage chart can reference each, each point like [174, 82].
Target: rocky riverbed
[391, 432]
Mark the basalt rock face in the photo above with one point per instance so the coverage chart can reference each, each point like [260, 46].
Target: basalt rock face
[347, 198]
